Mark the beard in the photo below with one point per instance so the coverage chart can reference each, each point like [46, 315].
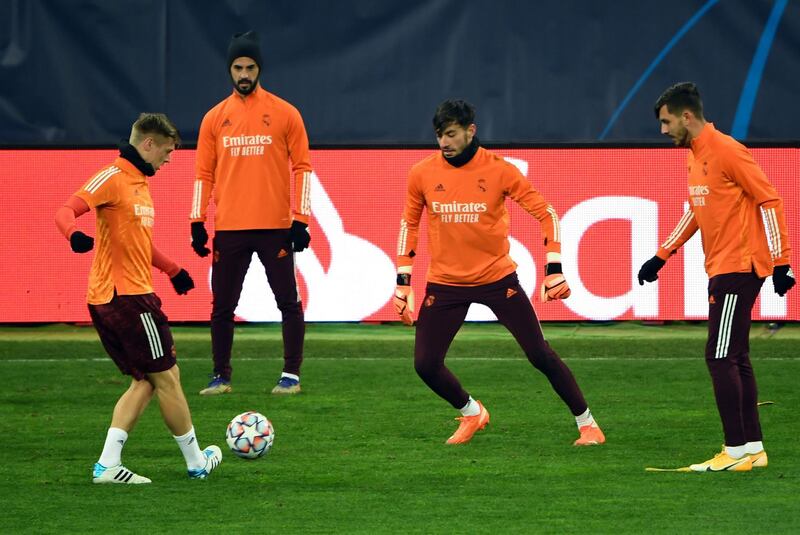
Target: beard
[457, 148]
[248, 88]
[681, 138]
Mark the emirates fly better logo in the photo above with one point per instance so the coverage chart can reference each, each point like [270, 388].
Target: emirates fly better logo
[458, 212]
[246, 145]
[698, 194]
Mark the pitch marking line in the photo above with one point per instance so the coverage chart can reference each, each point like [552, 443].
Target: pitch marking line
[681, 469]
[367, 359]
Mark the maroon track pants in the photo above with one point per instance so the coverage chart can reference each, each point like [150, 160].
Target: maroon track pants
[731, 298]
[441, 315]
[233, 250]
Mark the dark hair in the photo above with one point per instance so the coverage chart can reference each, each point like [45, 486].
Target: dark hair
[453, 111]
[154, 123]
[679, 97]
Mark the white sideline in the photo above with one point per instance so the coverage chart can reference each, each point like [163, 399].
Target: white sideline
[409, 358]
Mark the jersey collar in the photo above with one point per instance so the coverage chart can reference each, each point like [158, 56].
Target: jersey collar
[258, 94]
[705, 136]
[129, 153]
[466, 155]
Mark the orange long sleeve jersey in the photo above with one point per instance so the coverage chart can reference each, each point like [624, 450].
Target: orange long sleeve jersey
[244, 151]
[738, 211]
[468, 223]
[123, 244]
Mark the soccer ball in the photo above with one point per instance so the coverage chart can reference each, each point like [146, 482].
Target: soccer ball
[250, 435]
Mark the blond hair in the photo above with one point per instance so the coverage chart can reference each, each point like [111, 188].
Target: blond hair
[157, 124]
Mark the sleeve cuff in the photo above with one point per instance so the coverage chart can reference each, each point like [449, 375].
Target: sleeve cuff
[553, 247]
[663, 254]
[553, 257]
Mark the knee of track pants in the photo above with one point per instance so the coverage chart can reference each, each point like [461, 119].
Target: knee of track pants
[291, 310]
[544, 360]
[425, 366]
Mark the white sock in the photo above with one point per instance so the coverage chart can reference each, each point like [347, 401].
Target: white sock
[291, 376]
[112, 449]
[584, 419]
[736, 452]
[191, 450]
[754, 447]
[471, 408]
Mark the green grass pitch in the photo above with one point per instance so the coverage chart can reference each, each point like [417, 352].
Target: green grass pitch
[361, 450]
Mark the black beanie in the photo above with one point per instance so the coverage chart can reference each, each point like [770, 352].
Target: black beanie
[244, 45]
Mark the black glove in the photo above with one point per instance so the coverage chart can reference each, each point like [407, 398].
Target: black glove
[200, 239]
[649, 270]
[182, 282]
[782, 279]
[299, 236]
[80, 242]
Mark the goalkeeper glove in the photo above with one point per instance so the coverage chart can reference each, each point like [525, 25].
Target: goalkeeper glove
[182, 282]
[555, 285]
[403, 299]
[649, 270]
[80, 242]
[199, 239]
[782, 279]
[299, 236]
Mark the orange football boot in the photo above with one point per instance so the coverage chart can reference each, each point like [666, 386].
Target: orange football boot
[469, 426]
[591, 435]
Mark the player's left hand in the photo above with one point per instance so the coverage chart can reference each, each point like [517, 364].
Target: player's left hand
[299, 236]
[182, 282]
[200, 239]
[555, 285]
[782, 279]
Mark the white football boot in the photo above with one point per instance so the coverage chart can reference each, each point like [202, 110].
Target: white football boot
[116, 474]
[213, 457]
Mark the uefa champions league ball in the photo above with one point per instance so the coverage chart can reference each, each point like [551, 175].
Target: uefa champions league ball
[250, 435]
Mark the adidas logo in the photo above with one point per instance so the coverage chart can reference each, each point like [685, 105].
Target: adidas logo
[510, 292]
[226, 122]
[711, 300]
[438, 187]
[282, 253]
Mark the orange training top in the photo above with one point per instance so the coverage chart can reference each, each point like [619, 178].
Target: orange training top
[467, 218]
[738, 211]
[123, 241]
[243, 154]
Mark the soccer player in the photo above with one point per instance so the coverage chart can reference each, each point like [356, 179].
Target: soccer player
[244, 151]
[122, 305]
[730, 201]
[463, 188]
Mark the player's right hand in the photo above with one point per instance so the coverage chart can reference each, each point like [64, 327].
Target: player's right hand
[200, 239]
[649, 270]
[403, 302]
[80, 242]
